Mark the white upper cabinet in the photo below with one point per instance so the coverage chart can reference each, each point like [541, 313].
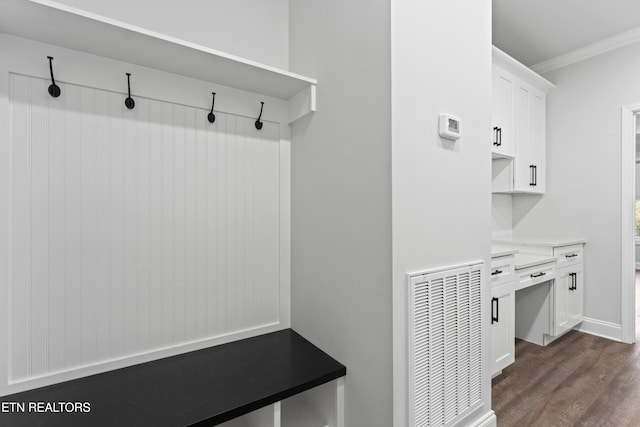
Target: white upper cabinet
[519, 127]
[502, 113]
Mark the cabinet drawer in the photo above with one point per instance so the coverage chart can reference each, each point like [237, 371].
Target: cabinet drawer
[568, 255]
[502, 270]
[534, 275]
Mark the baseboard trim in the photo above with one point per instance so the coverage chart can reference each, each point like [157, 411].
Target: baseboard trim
[488, 420]
[600, 328]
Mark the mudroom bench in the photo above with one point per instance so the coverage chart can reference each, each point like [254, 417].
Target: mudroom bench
[276, 379]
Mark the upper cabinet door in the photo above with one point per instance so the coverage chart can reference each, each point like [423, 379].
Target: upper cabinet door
[502, 113]
[529, 164]
[523, 169]
[537, 140]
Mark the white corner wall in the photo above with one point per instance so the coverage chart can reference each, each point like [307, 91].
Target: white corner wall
[501, 216]
[253, 29]
[341, 197]
[441, 63]
[584, 179]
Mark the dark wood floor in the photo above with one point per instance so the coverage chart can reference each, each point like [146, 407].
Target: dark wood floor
[578, 380]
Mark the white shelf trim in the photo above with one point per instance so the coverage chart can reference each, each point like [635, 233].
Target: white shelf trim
[51, 22]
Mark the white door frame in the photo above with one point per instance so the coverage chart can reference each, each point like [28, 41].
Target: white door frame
[627, 222]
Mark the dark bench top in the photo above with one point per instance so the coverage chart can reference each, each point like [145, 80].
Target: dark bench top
[201, 388]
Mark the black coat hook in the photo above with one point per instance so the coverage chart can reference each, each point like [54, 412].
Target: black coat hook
[54, 89]
[258, 122]
[212, 117]
[129, 102]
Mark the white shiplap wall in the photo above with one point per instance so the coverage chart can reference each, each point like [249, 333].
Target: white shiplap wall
[137, 230]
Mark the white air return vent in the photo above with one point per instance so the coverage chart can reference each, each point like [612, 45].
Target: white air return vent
[445, 344]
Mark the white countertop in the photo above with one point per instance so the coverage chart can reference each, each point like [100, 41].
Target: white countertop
[542, 241]
[528, 260]
[502, 250]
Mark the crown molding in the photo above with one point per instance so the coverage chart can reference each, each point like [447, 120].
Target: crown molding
[520, 70]
[589, 51]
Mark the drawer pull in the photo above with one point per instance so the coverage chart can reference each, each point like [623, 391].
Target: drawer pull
[496, 272]
[533, 276]
[571, 255]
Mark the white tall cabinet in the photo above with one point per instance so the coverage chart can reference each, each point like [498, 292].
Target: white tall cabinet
[519, 129]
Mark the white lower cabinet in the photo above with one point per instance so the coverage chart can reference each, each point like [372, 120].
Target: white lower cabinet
[568, 299]
[550, 298]
[569, 288]
[502, 327]
[502, 313]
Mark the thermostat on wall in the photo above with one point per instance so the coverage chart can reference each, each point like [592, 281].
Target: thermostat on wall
[449, 126]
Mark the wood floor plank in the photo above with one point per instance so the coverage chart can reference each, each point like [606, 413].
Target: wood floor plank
[559, 385]
[578, 380]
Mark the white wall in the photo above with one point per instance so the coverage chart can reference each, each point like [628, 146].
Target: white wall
[441, 63]
[341, 197]
[637, 197]
[253, 29]
[501, 216]
[583, 154]
[637, 180]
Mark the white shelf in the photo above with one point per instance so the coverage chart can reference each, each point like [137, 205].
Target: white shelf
[297, 412]
[495, 155]
[51, 22]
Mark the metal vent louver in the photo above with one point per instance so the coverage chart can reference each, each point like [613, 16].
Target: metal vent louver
[445, 348]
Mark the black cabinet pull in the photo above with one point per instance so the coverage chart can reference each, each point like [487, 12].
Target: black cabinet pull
[497, 136]
[533, 170]
[496, 272]
[495, 313]
[531, 174]
[574, 281]
[533, 276]
[571, 255]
